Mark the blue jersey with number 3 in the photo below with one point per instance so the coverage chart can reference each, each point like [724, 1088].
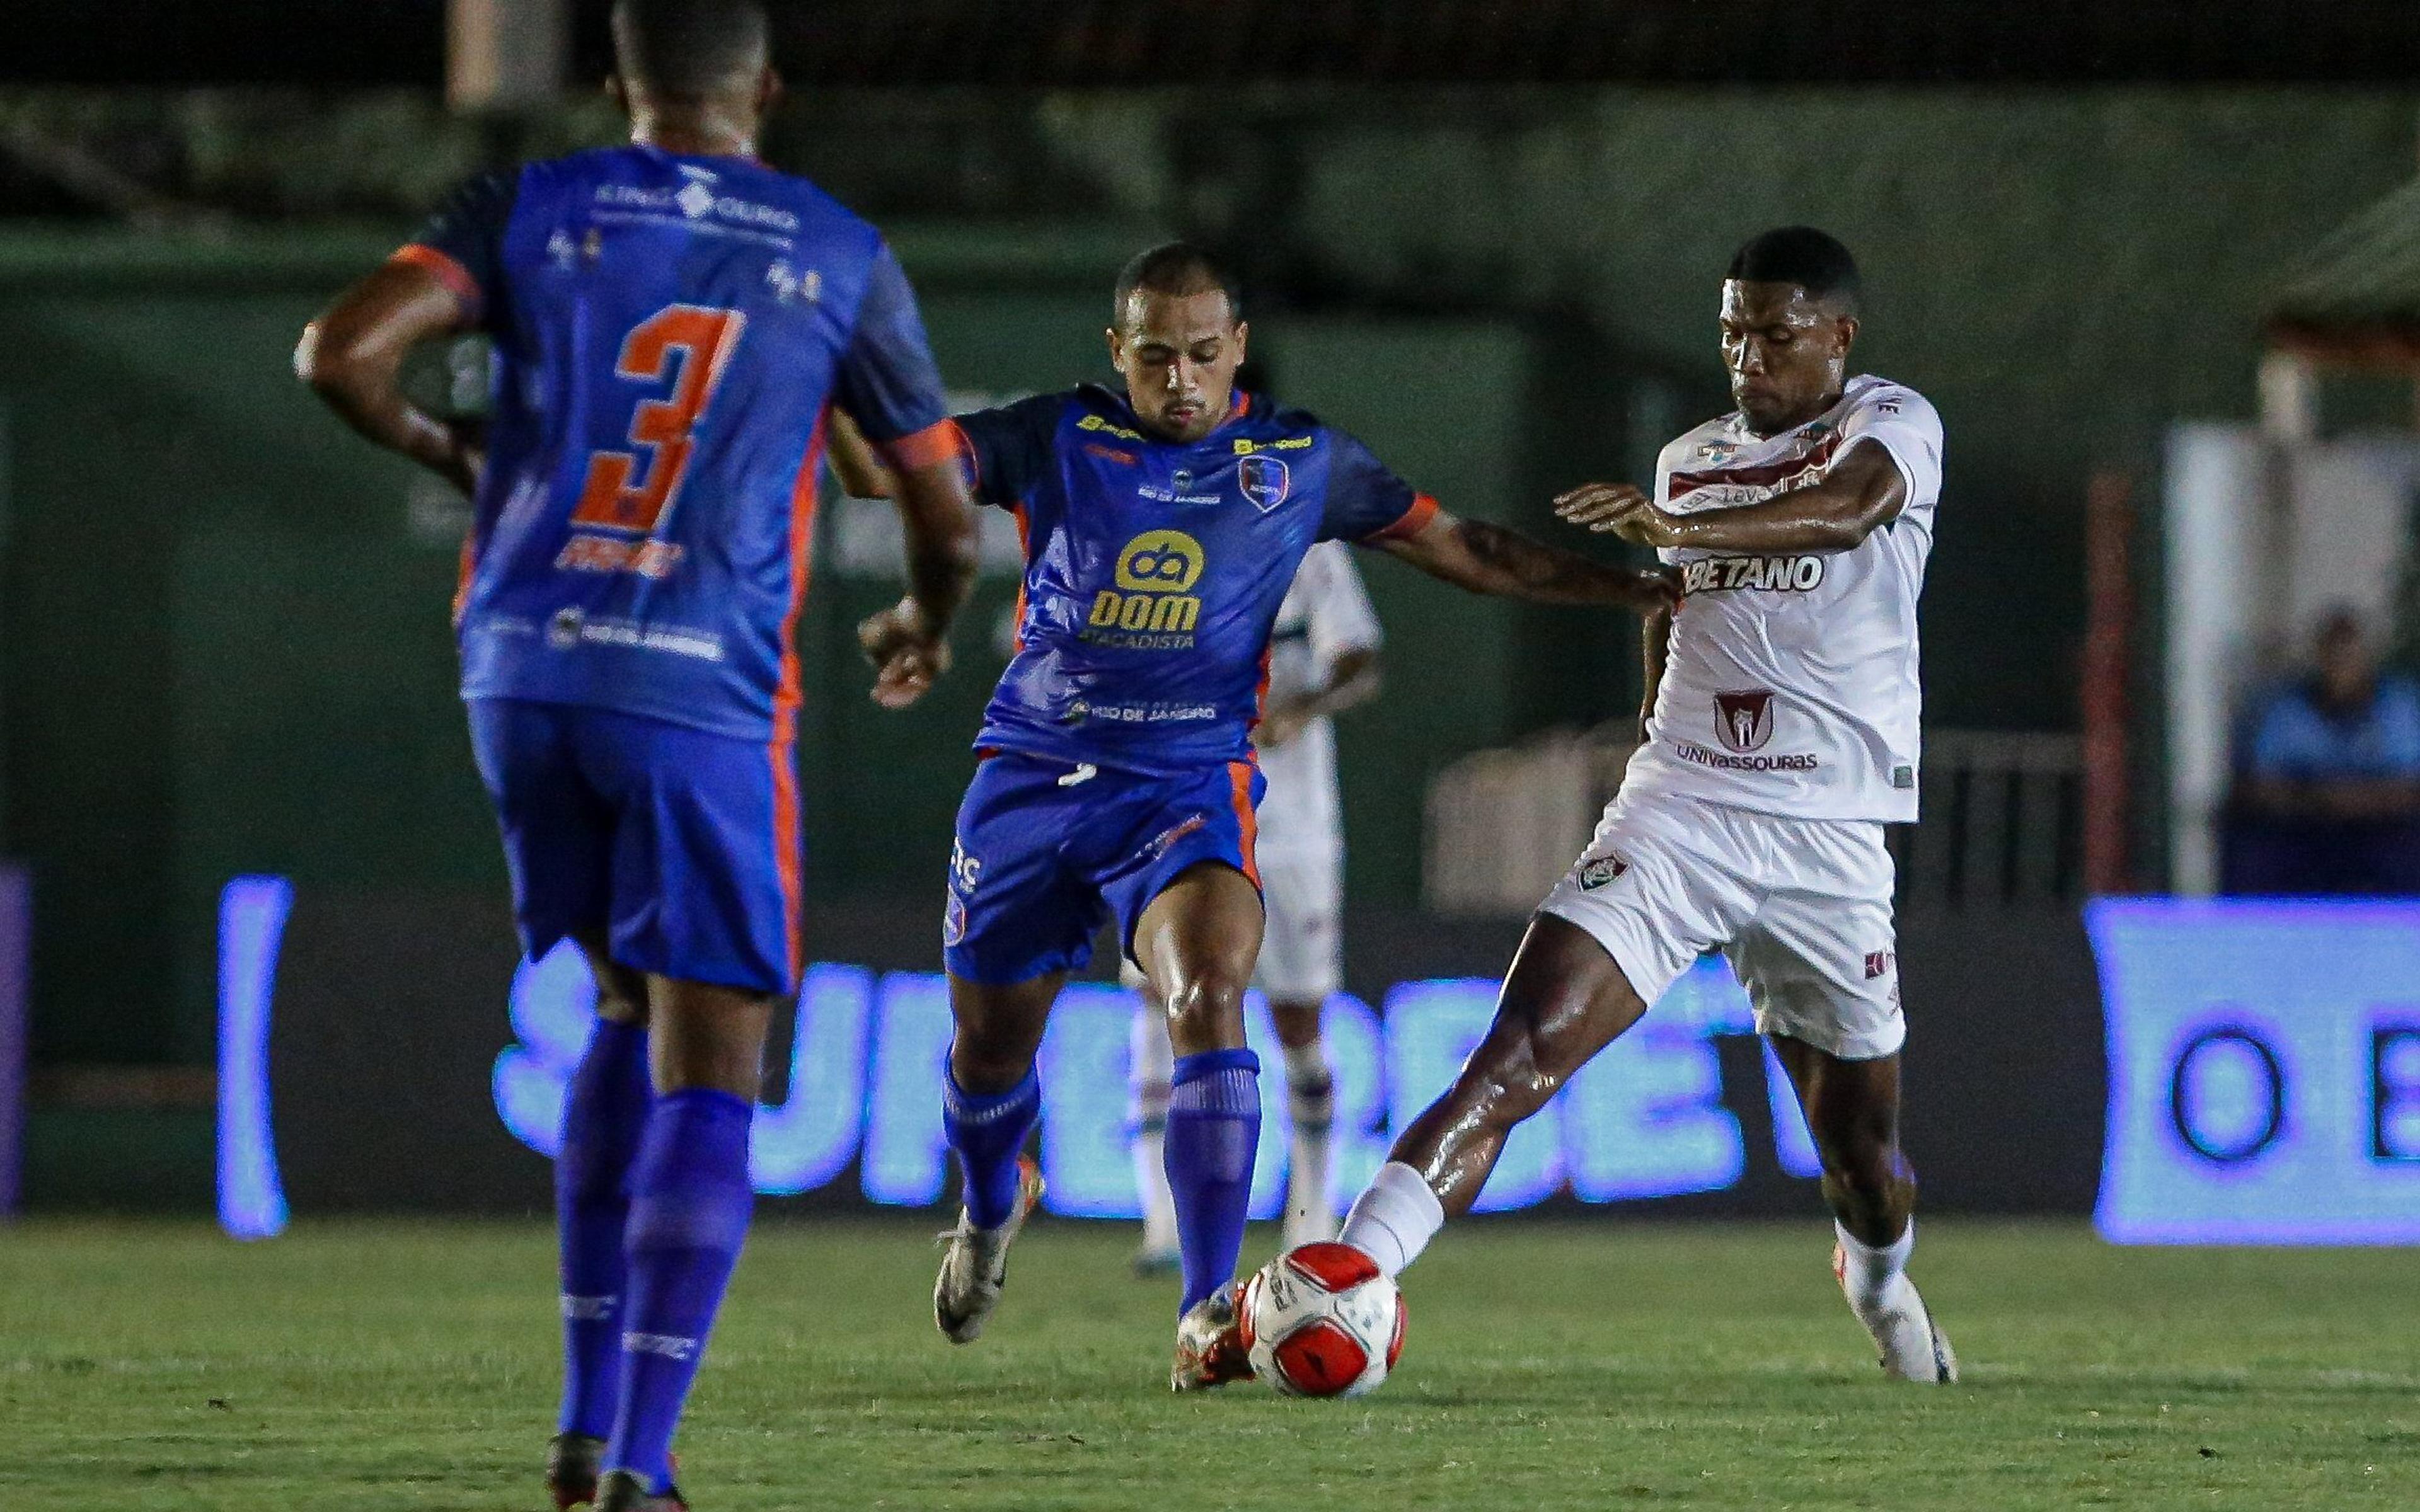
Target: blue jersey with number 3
[669, 331]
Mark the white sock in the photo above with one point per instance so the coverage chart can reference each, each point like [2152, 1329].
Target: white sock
[1154, 1062]
[1311, 1102]
[1873, 1276]
[1394, 1219]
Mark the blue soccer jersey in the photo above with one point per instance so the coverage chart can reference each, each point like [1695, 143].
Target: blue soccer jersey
[1153, 569]
[669, 332]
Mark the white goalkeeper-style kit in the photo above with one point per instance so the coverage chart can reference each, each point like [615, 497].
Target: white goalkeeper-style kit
[1784, 736]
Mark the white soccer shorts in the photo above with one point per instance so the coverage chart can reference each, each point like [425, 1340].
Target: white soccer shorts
[1801, 908]
[1302, 949]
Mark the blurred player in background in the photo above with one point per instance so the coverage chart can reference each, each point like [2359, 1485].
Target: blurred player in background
[1323, 660]
[671, 321]
[1781, 736]
[1163, 527]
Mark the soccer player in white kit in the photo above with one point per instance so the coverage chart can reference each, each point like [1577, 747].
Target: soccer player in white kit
[1323, 660]
[1781, 736]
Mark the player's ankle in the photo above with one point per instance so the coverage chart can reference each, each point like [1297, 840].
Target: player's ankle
[1394, 1218]
[1870, 1274]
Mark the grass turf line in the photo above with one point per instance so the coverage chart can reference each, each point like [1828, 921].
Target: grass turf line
[1548, 1365]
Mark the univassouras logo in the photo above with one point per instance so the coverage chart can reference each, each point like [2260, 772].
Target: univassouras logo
[1780, 575]
[1153, 605]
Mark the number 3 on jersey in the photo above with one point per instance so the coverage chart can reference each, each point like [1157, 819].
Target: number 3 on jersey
[701, 341]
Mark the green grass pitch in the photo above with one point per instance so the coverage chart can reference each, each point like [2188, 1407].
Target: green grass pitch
[1548, 1365]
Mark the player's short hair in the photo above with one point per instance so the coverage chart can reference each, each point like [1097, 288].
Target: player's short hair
[1802, 255]
[1176, 267]
[689, 49]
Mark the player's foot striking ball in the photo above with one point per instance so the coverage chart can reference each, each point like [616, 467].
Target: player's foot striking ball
[974, 1265]
[1117, 782]
[1782, 734]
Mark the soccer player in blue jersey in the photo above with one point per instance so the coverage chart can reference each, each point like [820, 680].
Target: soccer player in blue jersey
[1163, 526]
[673, 323]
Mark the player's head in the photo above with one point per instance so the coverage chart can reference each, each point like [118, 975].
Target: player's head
[1790, 316]
[696, 57]
[1176, 336]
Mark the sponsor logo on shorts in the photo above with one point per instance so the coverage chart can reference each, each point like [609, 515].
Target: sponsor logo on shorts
[1743, 719]
[1878, 964]
[1177, 831]
[1596, 871]
[964, 871]
[954, 921]
[1266, 481]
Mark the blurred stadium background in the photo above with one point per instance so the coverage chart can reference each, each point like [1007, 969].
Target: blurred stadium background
[2158, 266]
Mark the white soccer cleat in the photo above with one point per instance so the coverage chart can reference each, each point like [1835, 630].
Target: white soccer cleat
[1913, 1346]
[975, 1266]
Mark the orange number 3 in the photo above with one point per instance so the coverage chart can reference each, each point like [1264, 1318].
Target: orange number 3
[615, 495]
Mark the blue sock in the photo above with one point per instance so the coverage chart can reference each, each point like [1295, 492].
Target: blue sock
[690, 1201]
[604, 1110]
[1213, 1125]
[987, 1133]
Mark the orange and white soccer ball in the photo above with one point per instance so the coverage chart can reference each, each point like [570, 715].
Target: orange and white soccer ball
[1321, 1321]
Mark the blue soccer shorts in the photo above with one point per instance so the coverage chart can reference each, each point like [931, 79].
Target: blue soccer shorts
[1047, 852]
[680, 847]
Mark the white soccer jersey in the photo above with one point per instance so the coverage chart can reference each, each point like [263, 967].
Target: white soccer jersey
[1791, 685]
[1326, 613]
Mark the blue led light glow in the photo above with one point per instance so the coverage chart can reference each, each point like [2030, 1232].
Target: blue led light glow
[252, 922]
[2262, 1076]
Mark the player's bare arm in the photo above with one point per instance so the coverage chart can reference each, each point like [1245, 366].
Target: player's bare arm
[1353, 681]
[1864, 491]
[1486, 558]
[352, 357]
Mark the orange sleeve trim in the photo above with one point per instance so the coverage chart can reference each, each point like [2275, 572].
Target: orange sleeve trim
[940, 442]
[447, 270]
[1410, 523]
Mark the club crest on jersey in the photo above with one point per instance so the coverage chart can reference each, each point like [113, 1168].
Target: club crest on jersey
[1597, 872]
[1743, 719]
[1266, 481]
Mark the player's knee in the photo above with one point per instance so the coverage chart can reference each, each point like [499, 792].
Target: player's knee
[1208, 1009]
[1863, 1169]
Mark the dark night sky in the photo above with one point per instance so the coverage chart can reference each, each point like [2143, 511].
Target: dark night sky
[1064, 42]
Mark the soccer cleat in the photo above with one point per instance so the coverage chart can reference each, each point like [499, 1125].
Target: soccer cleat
[1211, 1349]
[1913, 1346]
[571, 1461]
[1150, 1264]
[976, 1263]
[625, 1490]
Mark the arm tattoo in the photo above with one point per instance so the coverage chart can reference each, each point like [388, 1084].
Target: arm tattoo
[1517, 565]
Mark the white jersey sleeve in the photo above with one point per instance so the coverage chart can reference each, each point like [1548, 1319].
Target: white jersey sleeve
[1903, 421]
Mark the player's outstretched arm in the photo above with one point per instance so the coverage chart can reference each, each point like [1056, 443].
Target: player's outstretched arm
[1489, 559]
[352, 357]
[1863, 492]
